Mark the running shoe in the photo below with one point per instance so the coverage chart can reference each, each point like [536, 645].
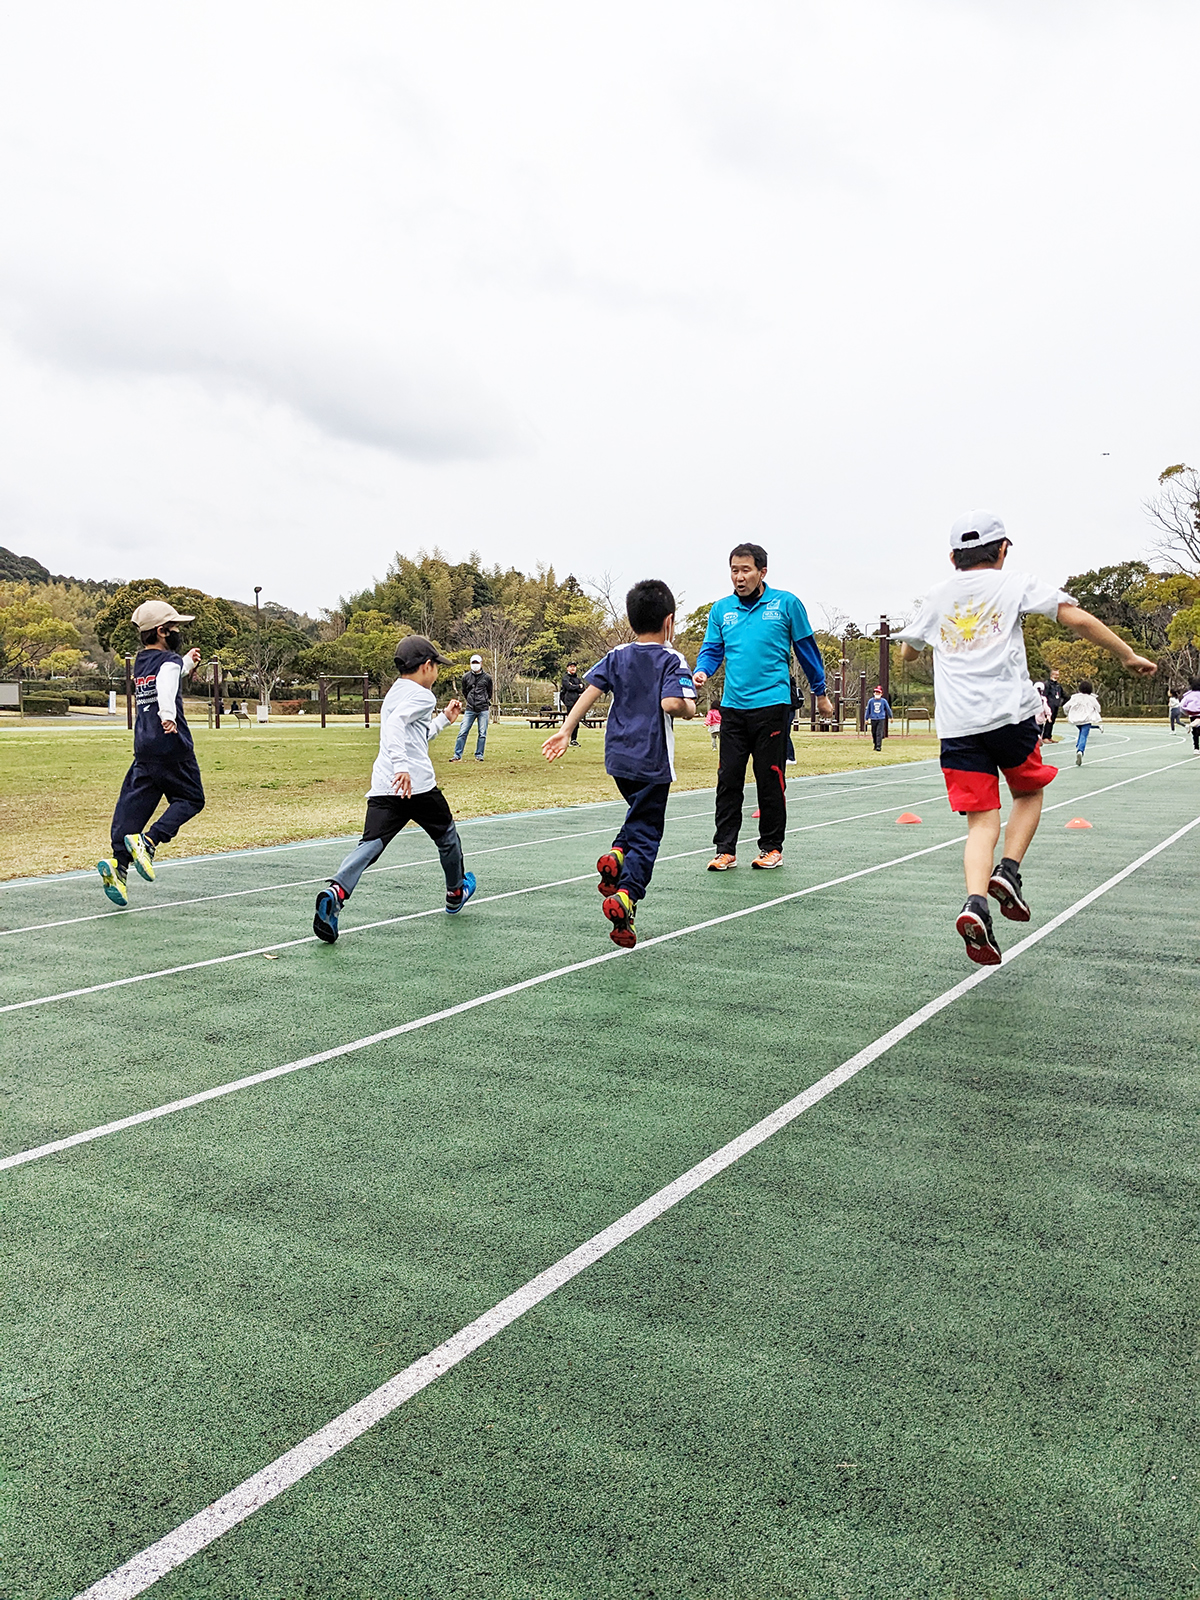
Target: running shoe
[1079, 758]
[722, 862]
[619, 908]
[609, 867]
[768, 860]
[1005, 886]
[329, 903]
[456, 758]
[975, 925]
[456, 899]
[142, 851]
[113, 880]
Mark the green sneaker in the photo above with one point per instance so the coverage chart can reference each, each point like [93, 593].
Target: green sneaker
[113, 880]
[142, 851]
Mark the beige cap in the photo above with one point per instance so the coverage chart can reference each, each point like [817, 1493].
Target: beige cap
[153, 613]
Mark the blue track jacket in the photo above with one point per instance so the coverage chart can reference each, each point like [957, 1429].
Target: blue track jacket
[878, 710]
[755, 640]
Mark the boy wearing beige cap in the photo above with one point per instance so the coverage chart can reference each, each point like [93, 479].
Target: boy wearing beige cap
[164, 758]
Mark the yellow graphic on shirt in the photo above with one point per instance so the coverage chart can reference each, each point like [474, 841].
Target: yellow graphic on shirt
[967, 628]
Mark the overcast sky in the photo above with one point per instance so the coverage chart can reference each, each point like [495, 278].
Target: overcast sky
[286, 288]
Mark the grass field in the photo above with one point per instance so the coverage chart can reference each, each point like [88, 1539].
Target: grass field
[292, 780]
[929, 1332]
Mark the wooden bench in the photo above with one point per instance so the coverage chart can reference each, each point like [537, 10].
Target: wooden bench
[547, 717]
[241, 715]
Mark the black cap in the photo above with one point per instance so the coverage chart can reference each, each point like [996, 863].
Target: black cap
[415, 651]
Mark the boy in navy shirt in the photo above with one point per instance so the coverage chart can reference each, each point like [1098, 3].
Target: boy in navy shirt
[164, 758]
[651, 684]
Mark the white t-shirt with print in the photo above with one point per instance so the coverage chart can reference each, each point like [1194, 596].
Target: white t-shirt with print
[973, 622]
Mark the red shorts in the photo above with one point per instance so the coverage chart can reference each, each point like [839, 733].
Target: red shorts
[972, 766]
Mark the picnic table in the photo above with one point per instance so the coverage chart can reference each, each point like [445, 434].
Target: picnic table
[546, 717]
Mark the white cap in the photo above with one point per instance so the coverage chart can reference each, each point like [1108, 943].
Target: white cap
[976, 528]
[154, 613]
[476, 661]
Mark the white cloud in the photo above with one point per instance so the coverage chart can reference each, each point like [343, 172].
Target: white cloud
[288, 289]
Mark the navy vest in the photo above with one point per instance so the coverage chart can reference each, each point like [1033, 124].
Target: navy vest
[149, 740]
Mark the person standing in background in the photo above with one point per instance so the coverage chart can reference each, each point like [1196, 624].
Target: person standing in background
[1056, 698]
[878, 715]
[570, 689]
[477, 699]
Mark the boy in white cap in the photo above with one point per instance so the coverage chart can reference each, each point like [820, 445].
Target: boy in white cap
[164, 758]
[477, 698]
[403, 786]
[986, 707]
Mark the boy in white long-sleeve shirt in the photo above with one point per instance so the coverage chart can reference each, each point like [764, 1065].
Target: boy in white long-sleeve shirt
[164, 758]
[403, 786]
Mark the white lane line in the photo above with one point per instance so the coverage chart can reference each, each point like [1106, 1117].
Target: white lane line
[207, 1526]
[23, 1157]
[399, 866]
[289, 944]
[388, 922]
[83, 874]
[307, 883]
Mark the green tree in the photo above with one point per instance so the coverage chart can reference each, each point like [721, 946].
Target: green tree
[32, 637]
[216, 625]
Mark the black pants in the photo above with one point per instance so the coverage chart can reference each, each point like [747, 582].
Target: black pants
[641, 832]
[146, 783]
[878, 729]
[386, 815]
[759, 736]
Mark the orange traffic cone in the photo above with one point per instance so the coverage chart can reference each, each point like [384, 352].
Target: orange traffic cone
[1078, 822]
[908, 816]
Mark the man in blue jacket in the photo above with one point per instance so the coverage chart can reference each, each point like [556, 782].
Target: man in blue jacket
[754, 632]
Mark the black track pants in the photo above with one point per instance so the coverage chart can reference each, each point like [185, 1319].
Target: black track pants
[759, 736]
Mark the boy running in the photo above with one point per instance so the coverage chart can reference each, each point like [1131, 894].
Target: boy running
[164, 758]
[986, 706]
[650, 684]
[403, 786]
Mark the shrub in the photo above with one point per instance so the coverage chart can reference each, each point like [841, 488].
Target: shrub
[44, 705]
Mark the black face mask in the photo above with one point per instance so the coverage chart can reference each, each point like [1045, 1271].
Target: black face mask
[175, 641]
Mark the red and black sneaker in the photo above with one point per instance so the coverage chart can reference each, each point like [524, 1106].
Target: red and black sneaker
[609, 867]
[975, 925]
[619, 908]
[1006, 888]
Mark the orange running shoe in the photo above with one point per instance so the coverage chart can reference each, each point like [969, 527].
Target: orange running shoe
[722, 863]
[619, 909]
[609, 867]
[768, 860]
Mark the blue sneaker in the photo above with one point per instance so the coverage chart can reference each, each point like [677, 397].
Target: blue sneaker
[113, 880]
[325, 921]
[457, 899]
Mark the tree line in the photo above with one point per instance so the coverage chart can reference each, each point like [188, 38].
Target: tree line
[528, 626]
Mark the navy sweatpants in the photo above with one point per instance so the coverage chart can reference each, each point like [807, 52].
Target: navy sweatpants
[146, 783]
[641, 832]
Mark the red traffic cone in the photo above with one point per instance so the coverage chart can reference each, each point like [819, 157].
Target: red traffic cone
[1078, 822]
[908, 816]
[756, 813]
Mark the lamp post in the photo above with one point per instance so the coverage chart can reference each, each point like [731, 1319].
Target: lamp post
[258, 626]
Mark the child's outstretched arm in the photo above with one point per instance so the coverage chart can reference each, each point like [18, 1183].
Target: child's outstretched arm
[557, 743]
[1087, 626]
[678, 706]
